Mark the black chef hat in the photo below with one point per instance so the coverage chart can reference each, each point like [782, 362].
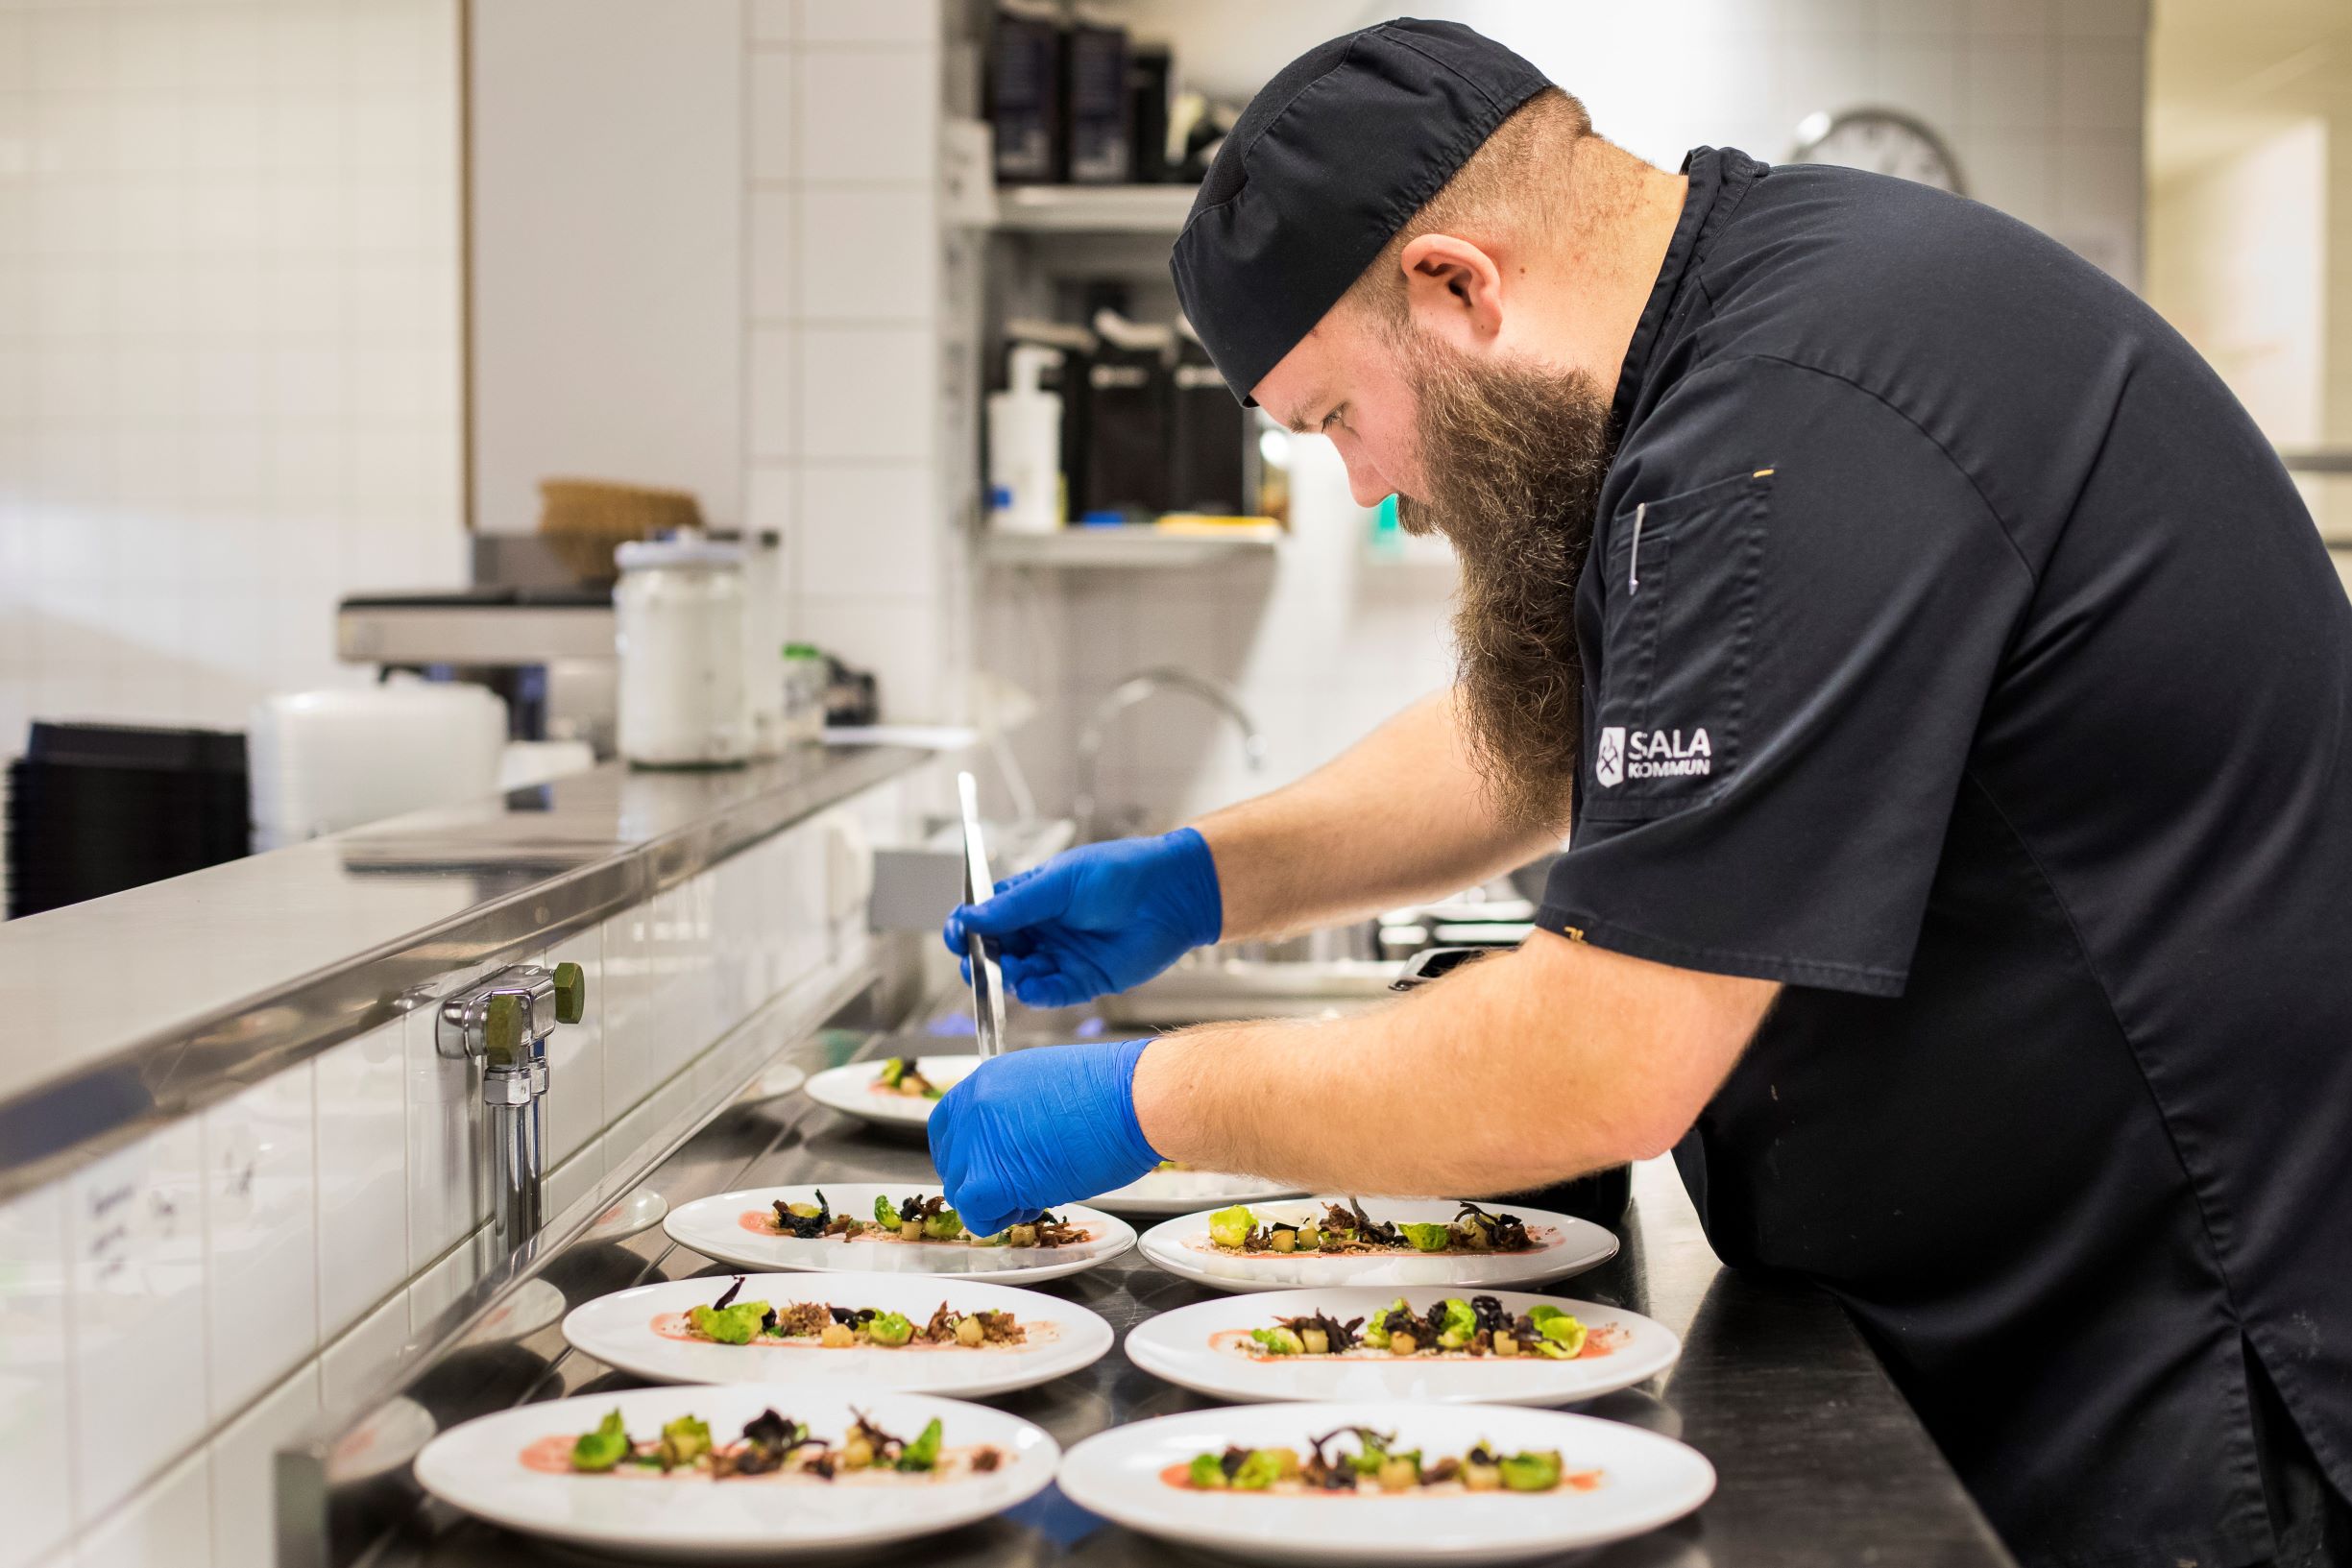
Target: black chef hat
[1330, 159]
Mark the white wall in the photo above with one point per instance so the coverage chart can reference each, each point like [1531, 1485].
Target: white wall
[2041, 99]
[2238, 261]
[861, 435]
[229, 344]
[607, 154]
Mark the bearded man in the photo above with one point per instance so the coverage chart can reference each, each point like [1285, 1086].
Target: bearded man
[1952, 702]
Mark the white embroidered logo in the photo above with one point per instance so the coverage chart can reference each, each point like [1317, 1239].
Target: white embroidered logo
[1651, 754]
[1608, 761]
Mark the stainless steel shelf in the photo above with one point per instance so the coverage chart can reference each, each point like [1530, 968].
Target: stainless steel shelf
[250, 967]
[1101, 209]
[1134, 546]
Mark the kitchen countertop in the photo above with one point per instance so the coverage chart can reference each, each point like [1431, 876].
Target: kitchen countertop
[127, 1011]
[1819, 1459]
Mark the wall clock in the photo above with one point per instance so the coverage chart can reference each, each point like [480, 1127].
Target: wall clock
[1883, 141]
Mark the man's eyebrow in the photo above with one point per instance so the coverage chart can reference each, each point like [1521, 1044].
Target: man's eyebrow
[1298, 421]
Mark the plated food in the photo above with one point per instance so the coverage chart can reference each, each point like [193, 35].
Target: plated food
[904, 1078]
[700, 1473]
[771, 1447]
[1376, 1463]
[1179, 1189]
[916, 1218]
[1345, 1227]
[1425, 1345]
[1386, 1483]
[900, 1331]
[896, 1092]
[890, 1228]
[1343, 1242]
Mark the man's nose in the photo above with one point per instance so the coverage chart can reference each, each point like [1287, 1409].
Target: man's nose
[1364, 481]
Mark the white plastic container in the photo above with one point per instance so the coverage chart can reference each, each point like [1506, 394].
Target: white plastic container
[321, 761]
[1025, 479]
[679, 611]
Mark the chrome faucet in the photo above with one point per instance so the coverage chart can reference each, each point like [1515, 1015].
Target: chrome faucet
[1126, 695]
[503, 1023]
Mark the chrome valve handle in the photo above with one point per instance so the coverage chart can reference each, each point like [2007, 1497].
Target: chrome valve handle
[503, 1023]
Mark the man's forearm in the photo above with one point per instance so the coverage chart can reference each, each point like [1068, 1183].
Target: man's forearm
[1401, 815]
[1519, 1070]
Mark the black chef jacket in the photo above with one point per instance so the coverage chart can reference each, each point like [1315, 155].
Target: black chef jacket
[1958, 653]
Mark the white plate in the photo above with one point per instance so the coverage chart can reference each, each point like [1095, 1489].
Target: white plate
[1183, 1347]
[850, 1090]
[781, 1080]
[383, 1442]
[1646, 1481]
[714, 1226]
[640, 1211]
[478, 1467]
[1181, 1191]
[1563, 1247]
[619, 1331]
[534, 1305]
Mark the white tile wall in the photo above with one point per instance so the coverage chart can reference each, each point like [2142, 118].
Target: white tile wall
[362, 1180]
[871, 533]
[135, 1240]
[437, 1288]
[867, 392]
[868, 115]
[629, 1066]
[349, 1367]
[877, 21]
[448, 1195]
[168, 1526]
[36, 1476]
[261, 1237]
[244, 1499]
[229, 345]
[850, 448]
[775, 387]
[871, 256]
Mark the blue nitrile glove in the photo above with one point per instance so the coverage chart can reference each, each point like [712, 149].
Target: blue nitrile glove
[1097, 918]
[1037, 1128]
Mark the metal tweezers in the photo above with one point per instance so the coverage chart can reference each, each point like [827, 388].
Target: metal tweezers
[988, 978]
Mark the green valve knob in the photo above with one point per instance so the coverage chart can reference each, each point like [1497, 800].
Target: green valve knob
[502, 1030]
[571, 993]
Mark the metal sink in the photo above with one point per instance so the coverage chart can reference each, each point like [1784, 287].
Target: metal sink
[1231, 988]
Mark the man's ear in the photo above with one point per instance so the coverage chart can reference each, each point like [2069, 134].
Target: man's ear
[1453, 290]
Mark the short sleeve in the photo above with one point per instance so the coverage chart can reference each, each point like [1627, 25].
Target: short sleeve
[1794, 609]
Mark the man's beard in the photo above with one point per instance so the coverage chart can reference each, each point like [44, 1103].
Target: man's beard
[1513, 456]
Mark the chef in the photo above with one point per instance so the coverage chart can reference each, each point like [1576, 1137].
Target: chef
[1952, 702]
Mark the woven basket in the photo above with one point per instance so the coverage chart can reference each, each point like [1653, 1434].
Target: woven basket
[582, 519]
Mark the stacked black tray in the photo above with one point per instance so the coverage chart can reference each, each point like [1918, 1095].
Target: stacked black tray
[95, 808]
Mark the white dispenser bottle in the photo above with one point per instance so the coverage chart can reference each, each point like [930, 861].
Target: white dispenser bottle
[1025, 479]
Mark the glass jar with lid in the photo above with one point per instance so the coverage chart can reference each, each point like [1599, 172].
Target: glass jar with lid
[679, 610]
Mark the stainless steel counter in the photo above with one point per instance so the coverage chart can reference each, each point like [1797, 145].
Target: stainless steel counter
[127, 1011]
[1820, 1459]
